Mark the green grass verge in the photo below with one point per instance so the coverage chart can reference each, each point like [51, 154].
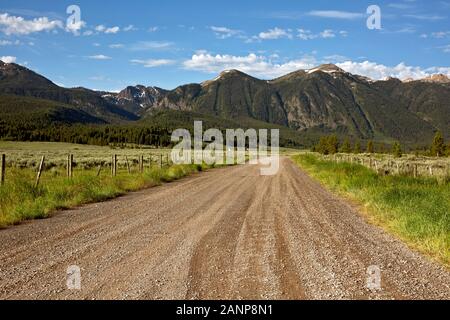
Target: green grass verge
[417, 210]
[20, 200]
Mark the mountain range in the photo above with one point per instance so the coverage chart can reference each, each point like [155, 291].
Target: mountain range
[304, 104]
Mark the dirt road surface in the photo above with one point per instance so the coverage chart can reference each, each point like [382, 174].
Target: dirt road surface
[228, 233]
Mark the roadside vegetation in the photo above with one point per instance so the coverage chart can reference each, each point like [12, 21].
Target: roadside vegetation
[21, 199]
[331, 145]
[415, 209]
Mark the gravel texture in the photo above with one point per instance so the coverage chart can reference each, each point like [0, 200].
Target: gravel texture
[228, 234]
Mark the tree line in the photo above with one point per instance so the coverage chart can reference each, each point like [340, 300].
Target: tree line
[100, 135]
[332, 145]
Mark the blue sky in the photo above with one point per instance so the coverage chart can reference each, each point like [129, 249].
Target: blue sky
[166, 44]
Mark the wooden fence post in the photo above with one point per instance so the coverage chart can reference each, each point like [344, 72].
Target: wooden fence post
[415, 170]
[161, 161]
[114, 165]
[2, 169]
[128, 164]
[69, 166]
[431, 170]
[99, 169]
[41, 167]
[141, 163]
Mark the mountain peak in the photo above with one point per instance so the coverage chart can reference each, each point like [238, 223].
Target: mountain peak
[232, 72]
[227, 74]
[328, 68]
[439, 78]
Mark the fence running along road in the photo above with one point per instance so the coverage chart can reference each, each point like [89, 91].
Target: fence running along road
[158, 160]
[435, 167]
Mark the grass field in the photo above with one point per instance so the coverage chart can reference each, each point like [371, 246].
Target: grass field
[415, 209]
[20, 200]
[406, 165]
[28, 154]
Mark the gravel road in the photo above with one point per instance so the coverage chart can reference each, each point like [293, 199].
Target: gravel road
[228, 234]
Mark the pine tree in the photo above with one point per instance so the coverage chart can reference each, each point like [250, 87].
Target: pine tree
[397, 150]
[438, 147]
[322, 147]
[346, 147]
[333, 144]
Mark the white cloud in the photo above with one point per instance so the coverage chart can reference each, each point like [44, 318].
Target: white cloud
[75, 27]
[116, 46]
[153, 29]
[406, 29]
[152, 63]
[151, 45]
[336, 14]
[130, 28]
[328, 33]
[112, 30]
[425, 17]
[10, 43]
[379, 71]
[306, 34]
[100, 28]
[325, 34]
[224, 32]
[252, 64]
[99, 57]
[275, 33]
[12, 25]
[261, 66]
[8, 59]
[440, 34]
[103, 29]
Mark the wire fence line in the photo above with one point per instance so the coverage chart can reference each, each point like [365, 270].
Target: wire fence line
[114, 165]
[130, 163]
[386, 165]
